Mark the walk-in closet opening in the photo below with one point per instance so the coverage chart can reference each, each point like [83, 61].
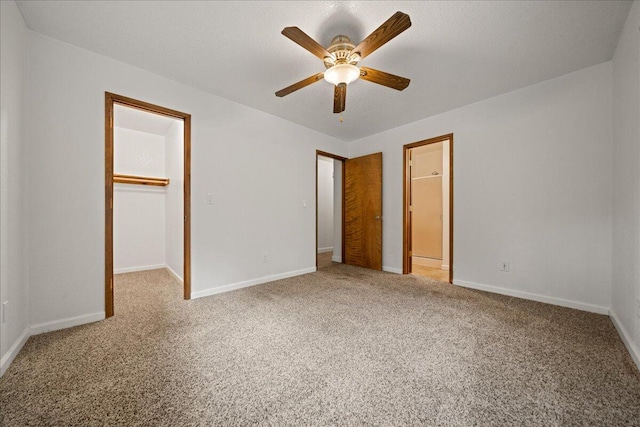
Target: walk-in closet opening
[147, 192]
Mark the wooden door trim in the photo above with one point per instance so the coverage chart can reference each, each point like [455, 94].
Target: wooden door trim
[342, 160]
[110, 100]
[406, 196]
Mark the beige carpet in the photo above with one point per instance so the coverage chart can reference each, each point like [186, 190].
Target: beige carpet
[343, 346]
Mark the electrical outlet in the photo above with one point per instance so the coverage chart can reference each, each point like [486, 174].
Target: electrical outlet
[5, 313]
[210, 200]
[504, 266]
[265, 258]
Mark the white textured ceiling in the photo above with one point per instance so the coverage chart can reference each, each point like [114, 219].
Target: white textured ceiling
[455, 53]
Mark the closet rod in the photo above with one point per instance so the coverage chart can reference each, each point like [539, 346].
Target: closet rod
[144, 180]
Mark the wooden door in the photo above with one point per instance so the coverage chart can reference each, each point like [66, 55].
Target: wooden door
[363, 211]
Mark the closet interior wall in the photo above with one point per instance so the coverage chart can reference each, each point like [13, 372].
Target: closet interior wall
[147, 228]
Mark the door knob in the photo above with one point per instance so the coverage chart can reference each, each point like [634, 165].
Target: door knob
[377, 217]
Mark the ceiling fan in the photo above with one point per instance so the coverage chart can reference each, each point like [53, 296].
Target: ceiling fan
[342, 56]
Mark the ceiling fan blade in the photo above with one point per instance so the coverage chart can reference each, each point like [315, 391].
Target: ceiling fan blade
[384, 79]
[302, 83]
[339, 98]
[301, 38]
[385, 32]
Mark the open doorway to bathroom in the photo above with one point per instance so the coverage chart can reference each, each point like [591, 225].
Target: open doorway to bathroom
[428, 208]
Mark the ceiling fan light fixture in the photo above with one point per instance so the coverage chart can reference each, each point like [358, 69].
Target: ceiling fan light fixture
[342, 73]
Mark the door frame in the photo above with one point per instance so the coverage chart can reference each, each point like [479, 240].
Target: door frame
[342, 160]
[406, 199]
[110, 100]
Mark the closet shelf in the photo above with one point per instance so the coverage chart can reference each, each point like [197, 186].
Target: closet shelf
[142, 180]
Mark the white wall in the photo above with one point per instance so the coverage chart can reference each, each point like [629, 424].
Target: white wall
[174, 216]
[532, 185]
[337, 211]
[625, 303]
[325, 204]
[260, 169]
[138, 210]
[138, 228]
[138, 153]
[13, 277]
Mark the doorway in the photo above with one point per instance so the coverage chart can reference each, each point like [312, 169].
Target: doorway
[147, 161]
[361, 209]
[329, 209]
[428, 208]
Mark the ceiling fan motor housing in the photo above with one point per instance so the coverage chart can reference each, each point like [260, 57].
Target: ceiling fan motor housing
[340, 49]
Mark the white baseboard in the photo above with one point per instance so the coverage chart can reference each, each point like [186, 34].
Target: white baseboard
[336, 259]
[534, 297]
[140, 268]
[626, 338]
[323, 250]
[253, 282]
[176, 275]
[14, 350]
[392, 269]
[55, 325]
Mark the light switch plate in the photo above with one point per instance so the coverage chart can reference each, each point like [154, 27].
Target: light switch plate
[5, 314]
